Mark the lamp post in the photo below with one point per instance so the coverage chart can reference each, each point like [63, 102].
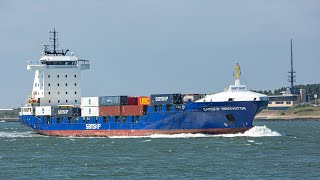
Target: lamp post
[315, 99]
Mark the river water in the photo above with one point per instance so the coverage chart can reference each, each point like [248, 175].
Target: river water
[272, 149]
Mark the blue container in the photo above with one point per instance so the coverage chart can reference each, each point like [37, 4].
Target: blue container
[158, 99]
[113, 100]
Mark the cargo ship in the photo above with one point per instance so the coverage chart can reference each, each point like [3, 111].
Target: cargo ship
[56, 108]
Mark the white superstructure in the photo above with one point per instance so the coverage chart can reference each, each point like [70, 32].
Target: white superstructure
[57, 79]
[236, 92]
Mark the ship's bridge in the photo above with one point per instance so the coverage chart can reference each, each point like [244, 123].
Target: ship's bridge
[57, 79]
[48, 61]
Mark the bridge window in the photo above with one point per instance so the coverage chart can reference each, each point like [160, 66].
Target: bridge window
[58, 101]
[48, 84]
[66, 101]
[58, 92]
[48, 76]
[75, 76]
[75, 84]
[75, 100]
[231, 99]
[66, 92]
[49, 101]
[49, 93]
[75, 92]
[58, 84]
[66, 84]
[58, 76]
[66, 76]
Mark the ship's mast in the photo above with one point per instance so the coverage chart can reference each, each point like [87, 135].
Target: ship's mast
[292, 72]
[54, 46]
[54, 39]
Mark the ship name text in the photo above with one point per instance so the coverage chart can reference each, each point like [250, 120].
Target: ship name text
[93, 126]
[225, 109]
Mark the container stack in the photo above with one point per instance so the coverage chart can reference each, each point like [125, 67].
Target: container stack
[57, 111]
[90, 106]
[114, 106]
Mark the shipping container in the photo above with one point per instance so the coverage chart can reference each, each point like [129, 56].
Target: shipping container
[89, 101]
[158, 99]
[190, 97]
[43, 111]
[132, 100]
[134, 110]
[144, 100]
[113, 100]
[89, 111]
[66, 112]
[110, 110]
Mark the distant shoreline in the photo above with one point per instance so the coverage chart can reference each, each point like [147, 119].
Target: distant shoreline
[287, 117]
[296, 113]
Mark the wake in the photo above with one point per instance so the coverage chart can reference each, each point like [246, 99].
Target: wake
[256, 131]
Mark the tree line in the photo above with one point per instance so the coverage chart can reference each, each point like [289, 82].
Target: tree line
[311, 89]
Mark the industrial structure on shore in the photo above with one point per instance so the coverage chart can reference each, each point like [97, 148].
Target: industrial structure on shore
[289, 97]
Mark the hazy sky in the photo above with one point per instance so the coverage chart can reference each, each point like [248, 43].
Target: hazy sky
[142, 47]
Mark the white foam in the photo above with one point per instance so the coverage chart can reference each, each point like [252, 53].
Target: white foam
[257, 131]
[18, 134]
[3, 121]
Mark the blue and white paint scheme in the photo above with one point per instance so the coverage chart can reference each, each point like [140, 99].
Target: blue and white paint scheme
[57, 83]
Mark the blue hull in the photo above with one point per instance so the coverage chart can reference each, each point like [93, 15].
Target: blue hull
[203, 117]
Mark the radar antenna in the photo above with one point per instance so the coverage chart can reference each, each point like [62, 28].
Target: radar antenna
[54, 40]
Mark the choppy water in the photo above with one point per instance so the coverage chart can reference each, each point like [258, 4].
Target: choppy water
[273, 149]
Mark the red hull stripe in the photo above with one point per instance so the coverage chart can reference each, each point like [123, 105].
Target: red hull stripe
[105, 133]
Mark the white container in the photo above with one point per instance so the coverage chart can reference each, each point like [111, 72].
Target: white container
[43, 111]
[89, 111]
[89, 101]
